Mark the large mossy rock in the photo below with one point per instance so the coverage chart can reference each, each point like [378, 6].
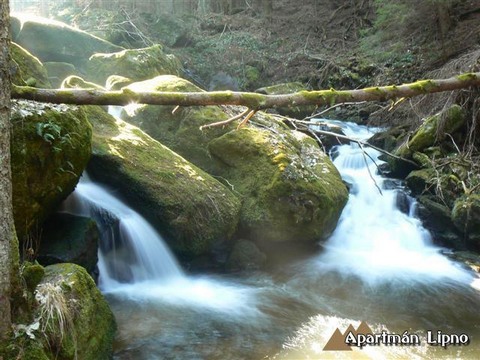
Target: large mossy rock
[466, 217]
[135, 64]
[298, 112]
[51, 146]
[193, 210]
[432, 132]
[69, 238]
[290, 189]
[51, 40]
[27, 69]
[179, 130]
[89, 323]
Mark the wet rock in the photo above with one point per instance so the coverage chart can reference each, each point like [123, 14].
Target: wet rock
[245, 255]
[70, 238]
[223, 81]
[420, 181]
[436, 217]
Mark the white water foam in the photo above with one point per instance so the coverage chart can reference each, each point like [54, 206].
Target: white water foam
[374, 239]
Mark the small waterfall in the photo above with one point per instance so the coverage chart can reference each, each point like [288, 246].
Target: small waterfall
[374, 239]
[131, 251]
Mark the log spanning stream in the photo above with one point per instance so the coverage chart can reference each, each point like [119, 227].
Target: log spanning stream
[379, 266]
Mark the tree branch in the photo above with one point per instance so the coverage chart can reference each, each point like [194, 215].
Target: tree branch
[253, 101]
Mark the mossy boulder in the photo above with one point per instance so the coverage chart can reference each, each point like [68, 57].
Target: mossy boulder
[291, 190]
[191, 209]
[89, 323]
[432, 132]
[436, 217]
[27, 69]
[466, 217]
[245, 255]
[55, 41]
[420, 181]
[69, 238]
[76, 82]
[116, 82]
[136, 64]
[179, 130]
[51, 145]
[298, 112]
[289, 187]
[59, 71]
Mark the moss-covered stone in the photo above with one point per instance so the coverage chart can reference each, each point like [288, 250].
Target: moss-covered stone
[432, 132]
[32, 273]
[27, 69]
[51, 40]
[245, 255]
[420, 181]
[69, 238]
[298, 112]
[90, 324]
[76, 82]
[436, 218]
[190, 208]
[291, 190]
[116, 82]
[136, 64]
[180, 130]
[51, 145]
[466, 217]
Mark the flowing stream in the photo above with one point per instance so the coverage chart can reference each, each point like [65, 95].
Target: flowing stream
[378, 266]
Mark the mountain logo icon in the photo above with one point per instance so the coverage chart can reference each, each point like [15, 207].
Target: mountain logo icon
[337, 341]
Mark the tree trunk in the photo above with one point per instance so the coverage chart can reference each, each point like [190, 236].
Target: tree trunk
[7, 230]
[254, 101]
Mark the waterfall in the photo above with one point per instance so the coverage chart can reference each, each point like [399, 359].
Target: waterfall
[374, 239]
[130, 251]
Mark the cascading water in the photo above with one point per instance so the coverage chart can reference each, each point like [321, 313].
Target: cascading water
[374, 239]
[290, 314]
[131, 250]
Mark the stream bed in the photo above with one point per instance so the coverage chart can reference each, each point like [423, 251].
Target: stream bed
[379, 266]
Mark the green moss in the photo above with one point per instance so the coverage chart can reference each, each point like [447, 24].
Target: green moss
[77, 82]
[193, 210]
[93, 323]
[283, 199]
[32, 274]
[50, 149]
[467, 76]
[28, 70]
[135, 64]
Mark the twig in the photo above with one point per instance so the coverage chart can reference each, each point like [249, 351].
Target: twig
[329, 133]
[225, 122]
[365, 154]
[331, 108]
[248, 117]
